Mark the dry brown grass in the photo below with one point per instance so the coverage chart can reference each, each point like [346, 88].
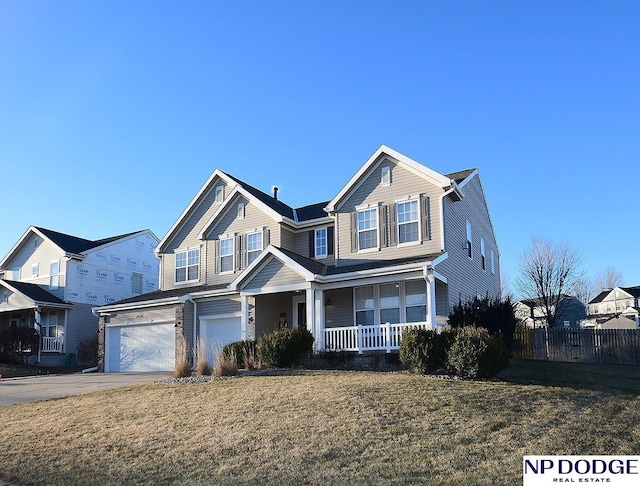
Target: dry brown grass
[318, 428]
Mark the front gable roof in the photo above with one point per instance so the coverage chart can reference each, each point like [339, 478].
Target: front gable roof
[32, 292]
[382, 152]
[70, 245]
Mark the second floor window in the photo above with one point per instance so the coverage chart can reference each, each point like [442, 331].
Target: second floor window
[226, 254]
[136, 283]
[483, 254]
[188, 265]
[408, 222]
[254, 246]
[54, 275]
[321, 243]
[469, 252]
[368, 229]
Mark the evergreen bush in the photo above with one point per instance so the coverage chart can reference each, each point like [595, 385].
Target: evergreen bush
[284, 347]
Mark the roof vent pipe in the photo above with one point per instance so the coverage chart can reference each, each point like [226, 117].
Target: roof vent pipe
[275, 192]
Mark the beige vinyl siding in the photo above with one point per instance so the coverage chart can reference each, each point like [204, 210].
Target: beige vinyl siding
[466, 279]
[229, 224]
[187, 235]
[302, 245]
[289, 240]
[273, 274]
[340, 312]
[224, 305]
[81, 324]
[403, 183]
[42, 255]
[268, 309]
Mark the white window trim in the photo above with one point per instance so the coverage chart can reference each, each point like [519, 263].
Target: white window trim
[320, 256]
[241, 211]
[35, 267]
[419, 240]
[483, 255]
[369, 207]
[186, 276]
[376, 302]
[57, 275]
[385, 172]
[233, 254]
[493, 262]
[255, 232]
[469, 240]
[219, 190]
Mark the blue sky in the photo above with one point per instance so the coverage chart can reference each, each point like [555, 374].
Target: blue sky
[113, 114]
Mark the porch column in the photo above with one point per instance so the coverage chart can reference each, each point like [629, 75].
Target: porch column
[315, 316]
[431, 296]
[244, 317]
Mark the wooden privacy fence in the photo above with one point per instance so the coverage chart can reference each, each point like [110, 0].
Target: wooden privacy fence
[611, 346]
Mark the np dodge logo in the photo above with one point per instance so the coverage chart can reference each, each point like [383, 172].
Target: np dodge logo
[549, 470]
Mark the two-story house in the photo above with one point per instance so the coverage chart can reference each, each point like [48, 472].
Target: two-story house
[615, 308]
[398, 246]
[51, 281]
[568, 313]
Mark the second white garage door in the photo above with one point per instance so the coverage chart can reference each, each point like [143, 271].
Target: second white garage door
[215, 332]
[149, 347]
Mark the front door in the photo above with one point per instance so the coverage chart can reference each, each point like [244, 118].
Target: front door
[299, 311]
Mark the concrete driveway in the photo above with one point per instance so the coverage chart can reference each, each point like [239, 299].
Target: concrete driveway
[34, 388]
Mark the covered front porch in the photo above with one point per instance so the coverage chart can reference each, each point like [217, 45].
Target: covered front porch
[357, 314]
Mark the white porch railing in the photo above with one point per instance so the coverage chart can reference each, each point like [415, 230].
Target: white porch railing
[51, 345]
[383, 337]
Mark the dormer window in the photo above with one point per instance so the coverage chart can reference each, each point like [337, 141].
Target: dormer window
[385, 176]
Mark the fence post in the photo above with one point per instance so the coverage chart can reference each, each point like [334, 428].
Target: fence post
[360, 343]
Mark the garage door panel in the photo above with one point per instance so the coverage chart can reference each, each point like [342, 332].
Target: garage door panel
[215, 333]
[141, 348]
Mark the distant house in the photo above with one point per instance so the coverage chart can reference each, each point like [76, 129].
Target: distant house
[619, 301]
[51, 281]
[532, 314]
[398, 246]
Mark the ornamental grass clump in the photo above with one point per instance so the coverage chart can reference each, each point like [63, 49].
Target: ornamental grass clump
[226, 365]
[203, 364]
[183, 366]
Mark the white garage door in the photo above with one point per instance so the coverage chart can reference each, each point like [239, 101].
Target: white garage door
[215, 332]
[149, 347]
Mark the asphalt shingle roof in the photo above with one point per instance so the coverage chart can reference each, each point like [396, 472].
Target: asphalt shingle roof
[166, 294]
[35, 292]
[460, 175]
[74, 244]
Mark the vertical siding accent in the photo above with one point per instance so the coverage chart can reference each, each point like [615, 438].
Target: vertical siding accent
[312, 244]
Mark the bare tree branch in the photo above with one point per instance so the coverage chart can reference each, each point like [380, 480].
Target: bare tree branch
[548, 273]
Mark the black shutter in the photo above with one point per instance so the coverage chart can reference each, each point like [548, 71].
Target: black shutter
[354, 232]
[330, 236]
[312, 244]
[216, 257]
[382, 224]
[238, 249]
[425, 209]
[392, 224]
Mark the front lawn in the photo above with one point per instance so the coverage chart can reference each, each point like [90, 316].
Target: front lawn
[325, 427]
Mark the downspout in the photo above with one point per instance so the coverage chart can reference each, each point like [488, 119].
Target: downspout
[427, 273]
[188, 298]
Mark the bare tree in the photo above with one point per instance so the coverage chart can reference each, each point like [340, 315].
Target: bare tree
[548, 273]
[608, 278]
